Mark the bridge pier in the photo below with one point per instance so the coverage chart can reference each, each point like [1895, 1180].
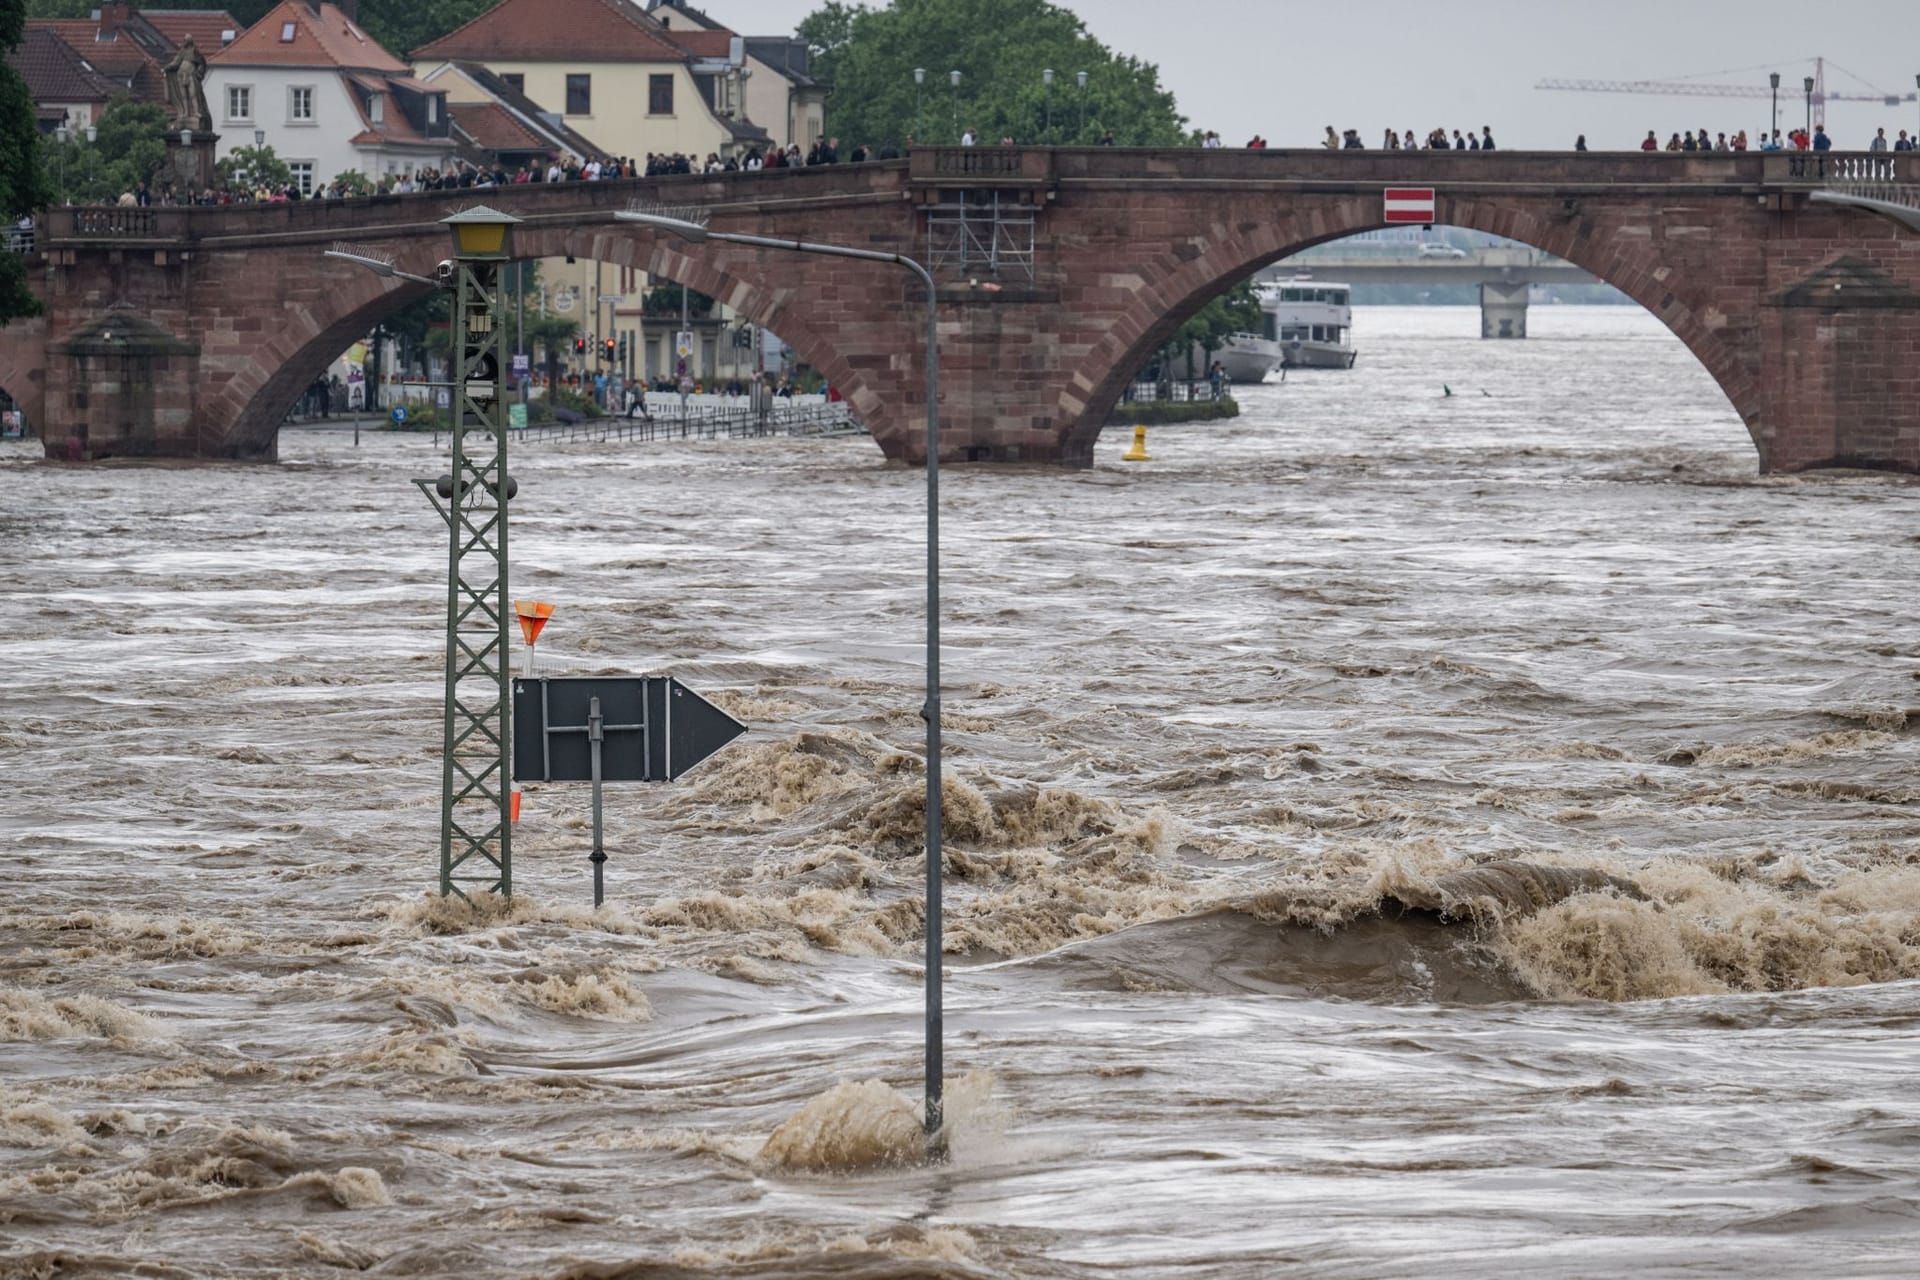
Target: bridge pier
[1503, 309]
[122, 387]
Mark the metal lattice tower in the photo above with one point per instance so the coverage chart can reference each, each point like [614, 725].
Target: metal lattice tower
[476, 771]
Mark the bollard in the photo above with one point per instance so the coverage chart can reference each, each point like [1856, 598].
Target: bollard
[1139, 451]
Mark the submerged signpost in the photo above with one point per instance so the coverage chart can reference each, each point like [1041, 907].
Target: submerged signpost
[601, 729]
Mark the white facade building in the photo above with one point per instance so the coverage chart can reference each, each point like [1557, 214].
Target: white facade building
[306, 81]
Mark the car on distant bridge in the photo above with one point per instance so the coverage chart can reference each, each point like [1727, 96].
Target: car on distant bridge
[1442, 251]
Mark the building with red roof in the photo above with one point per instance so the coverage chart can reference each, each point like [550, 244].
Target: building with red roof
[307, 81]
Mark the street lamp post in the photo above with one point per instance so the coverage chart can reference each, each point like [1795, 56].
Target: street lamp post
[1080, 130]
[1774, 80]
[1046, 131]
[919, 87]
[1808, 83]
[953, 78]
[696, 233]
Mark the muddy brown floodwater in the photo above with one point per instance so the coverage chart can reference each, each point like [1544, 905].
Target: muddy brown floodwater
[1392, 834]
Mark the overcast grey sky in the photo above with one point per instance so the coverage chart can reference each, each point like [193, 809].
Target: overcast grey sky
[1288, 68]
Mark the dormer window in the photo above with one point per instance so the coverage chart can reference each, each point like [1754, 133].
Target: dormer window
[286, 31]
[377, 108]
[433, 108]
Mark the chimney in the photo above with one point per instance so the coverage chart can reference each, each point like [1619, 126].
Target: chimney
[349, 9]
[112, 15]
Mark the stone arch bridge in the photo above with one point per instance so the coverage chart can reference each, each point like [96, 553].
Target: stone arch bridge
[189, 331]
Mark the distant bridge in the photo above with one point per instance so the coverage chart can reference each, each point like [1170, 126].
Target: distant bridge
[188, 331]
[1505, 277]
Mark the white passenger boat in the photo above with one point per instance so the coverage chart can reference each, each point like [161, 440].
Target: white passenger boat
[1311, 322]
[1247, 357]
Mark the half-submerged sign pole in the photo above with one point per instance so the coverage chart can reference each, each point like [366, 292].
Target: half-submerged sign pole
[602, 729]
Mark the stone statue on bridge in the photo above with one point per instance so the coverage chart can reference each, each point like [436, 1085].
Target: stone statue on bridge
[186, 99]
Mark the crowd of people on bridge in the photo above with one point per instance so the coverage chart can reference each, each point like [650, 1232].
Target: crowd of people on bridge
[1436, 140]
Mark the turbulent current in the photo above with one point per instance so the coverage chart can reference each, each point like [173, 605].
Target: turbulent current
[1393, 833]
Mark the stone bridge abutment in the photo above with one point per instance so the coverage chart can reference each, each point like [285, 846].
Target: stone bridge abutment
[190, 331]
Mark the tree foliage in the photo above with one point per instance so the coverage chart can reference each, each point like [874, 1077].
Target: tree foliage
[23, 186]
[129, 145]
[256, 167]
[1235, 311]
[1000, 48]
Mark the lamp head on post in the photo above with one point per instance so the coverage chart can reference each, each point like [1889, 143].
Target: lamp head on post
[482, 233]
[259, 137]
[1808, 83]
[919, 75]
[93, 133]
[1082, 78]
[953, 78]
[1046, 77]
[1773, 79]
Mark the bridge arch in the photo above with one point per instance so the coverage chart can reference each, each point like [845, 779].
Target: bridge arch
[23, 368]
[327, 311]
[1177, 283]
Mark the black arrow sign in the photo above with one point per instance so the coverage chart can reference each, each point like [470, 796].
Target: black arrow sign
[653, 728]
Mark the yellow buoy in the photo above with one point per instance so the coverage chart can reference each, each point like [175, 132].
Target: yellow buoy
[1139, 451]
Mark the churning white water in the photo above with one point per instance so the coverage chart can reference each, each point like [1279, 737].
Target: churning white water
[1393, 833]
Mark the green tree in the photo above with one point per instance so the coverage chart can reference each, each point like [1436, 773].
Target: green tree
[23, 186]
[1000, 48]
[255, 167]
[1235, 311]
[128, 147]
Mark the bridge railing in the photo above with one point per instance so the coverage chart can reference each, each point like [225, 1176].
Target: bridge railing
[1815, 168]
[113, 223]
[983, 166]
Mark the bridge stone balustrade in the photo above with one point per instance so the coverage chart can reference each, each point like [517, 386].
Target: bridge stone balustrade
[1806, 313]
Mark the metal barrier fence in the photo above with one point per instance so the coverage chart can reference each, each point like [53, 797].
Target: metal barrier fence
[711, 424]
[1180, 391]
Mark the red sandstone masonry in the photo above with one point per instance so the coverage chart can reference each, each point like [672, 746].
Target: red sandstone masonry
[1130, 244]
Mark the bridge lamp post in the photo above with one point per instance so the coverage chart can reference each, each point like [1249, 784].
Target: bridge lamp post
[1046, 130]
[919, 93]
[953, 78]
[476, 778]
[1808, 83]
[697, 233]
[1774, 79]
[1080, 130]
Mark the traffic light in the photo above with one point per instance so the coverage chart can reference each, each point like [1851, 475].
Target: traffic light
[579, 346]
[610, 345]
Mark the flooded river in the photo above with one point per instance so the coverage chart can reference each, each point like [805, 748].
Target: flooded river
[1393, 833]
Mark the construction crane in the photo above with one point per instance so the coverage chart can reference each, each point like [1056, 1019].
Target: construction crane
[1699, 89]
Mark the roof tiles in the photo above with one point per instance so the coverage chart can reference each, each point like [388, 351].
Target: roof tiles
[551, 30]
[325, 40]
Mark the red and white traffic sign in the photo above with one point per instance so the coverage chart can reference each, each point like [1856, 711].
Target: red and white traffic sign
[1410, 204]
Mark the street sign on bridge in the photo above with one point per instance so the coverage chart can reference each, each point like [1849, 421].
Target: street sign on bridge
[1410, 204]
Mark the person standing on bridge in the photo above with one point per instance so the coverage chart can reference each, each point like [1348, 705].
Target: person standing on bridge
[1821, 142]
[1879, 142]
[1903, 143]
[1652, 143]
[1332, 141]
[1486, 137]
